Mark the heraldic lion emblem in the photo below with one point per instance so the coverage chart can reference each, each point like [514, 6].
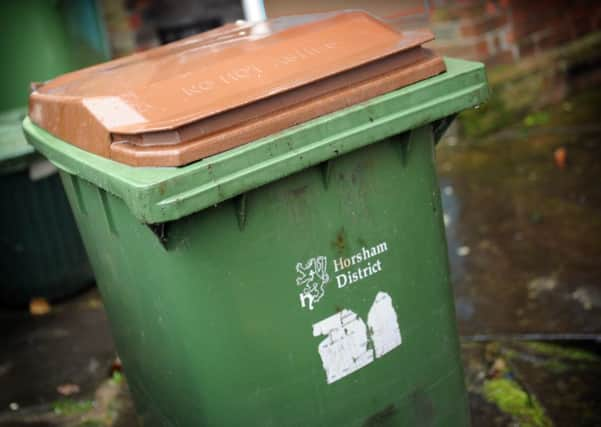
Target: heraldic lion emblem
[313, 276]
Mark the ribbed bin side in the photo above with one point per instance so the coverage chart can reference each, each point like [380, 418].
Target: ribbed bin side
[213, 328]
[42, 252]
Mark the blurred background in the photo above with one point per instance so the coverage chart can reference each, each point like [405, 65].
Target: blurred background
[519, 177]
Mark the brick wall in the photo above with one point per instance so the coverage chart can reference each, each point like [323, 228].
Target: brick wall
[503, 31]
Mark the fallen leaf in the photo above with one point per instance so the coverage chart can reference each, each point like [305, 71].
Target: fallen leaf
[583, 297]
[498, 368]
[68, 389]
[561, 156]
[94, 303]
[116, 366]
[541, 285]
[39, 307]
[463, 250]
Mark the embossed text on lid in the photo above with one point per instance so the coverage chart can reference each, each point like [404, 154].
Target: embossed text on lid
[156, 97]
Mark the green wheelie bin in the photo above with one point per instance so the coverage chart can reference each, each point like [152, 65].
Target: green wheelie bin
[265, 227]
[42, 252]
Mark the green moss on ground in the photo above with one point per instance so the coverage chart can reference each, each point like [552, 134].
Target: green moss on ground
[562, 352]
[513, 400]
[68, 407]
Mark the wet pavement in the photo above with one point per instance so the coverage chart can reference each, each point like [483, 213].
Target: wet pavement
[523, 218]
[57, 369]
[523, 215]
[523, 229]
[35, 349]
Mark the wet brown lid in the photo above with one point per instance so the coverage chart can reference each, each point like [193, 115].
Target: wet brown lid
[208, 93]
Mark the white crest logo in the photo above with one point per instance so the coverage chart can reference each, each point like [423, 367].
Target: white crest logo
[313, 276]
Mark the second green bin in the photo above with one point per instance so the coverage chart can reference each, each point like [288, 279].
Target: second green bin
[42, 252]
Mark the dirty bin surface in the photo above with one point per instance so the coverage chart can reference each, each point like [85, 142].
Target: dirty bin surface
[299, 279]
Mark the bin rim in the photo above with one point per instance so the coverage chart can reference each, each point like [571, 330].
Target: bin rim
[162, 194]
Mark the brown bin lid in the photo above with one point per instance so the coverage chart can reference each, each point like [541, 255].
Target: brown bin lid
[187, 100]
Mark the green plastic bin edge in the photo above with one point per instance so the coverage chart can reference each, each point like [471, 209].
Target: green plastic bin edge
[156, 195]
